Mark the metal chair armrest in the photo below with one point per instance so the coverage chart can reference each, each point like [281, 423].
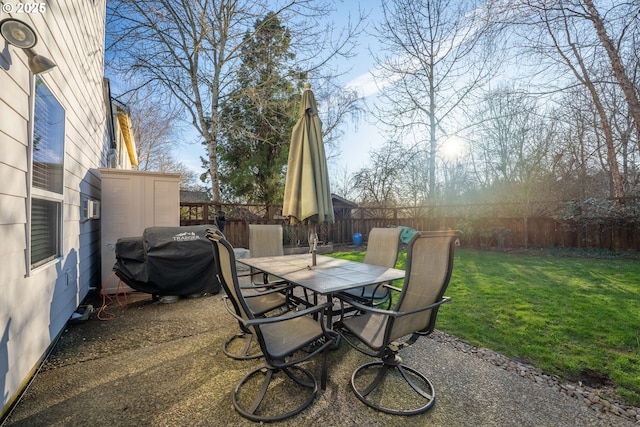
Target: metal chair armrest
[287, 316]
[266, 283]
[264, 320]
[249, 274]
[265, 290]
[231, 310]
[391, 313]
[392, 288]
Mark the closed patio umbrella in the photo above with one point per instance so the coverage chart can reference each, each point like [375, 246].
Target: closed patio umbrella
[307, 195]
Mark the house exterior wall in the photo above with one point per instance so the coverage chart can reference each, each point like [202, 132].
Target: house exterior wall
[36, 303]
[122, 156]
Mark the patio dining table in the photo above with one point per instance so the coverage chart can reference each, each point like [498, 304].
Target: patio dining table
[327, 277]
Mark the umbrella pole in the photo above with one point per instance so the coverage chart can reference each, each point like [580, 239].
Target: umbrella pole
[313, 244]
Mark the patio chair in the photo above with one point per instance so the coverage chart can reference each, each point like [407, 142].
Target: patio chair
[382, 250]
[260, 300]
[281, 340]
[265, 240]
[389, 385]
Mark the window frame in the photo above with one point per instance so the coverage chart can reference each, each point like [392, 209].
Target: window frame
[37, 193]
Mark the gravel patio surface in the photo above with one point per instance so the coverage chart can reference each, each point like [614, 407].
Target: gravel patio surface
[157, 364]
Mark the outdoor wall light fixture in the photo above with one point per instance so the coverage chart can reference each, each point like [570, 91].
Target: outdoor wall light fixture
[21, 35]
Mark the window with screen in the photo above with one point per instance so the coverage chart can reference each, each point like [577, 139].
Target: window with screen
[47, 171]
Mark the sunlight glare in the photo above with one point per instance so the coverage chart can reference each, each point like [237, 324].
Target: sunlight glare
[453, 147]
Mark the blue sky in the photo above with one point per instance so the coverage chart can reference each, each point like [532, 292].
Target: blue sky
[359, 139]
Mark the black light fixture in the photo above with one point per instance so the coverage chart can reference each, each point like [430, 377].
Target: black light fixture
[19, 34]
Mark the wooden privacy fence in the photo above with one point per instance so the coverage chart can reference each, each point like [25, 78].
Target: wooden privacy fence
[486, 231]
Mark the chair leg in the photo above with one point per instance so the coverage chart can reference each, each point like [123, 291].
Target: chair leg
[323, 375]
[389, 301]
[258, 408]
[244, 353]
[411, 392]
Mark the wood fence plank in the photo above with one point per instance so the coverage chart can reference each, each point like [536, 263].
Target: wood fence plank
[491, 232]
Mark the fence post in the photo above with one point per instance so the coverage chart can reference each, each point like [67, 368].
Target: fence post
[205, 212]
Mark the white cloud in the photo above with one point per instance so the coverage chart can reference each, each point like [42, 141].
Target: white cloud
[364, 85]
[367, 84]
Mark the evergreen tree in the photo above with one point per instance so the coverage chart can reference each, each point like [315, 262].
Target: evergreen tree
[257, 119]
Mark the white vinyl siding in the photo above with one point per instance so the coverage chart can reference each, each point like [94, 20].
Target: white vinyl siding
[37, 302]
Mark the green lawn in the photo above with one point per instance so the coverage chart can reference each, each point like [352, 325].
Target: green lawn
[576, 317]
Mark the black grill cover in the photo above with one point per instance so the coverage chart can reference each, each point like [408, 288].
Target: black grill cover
[168, 261]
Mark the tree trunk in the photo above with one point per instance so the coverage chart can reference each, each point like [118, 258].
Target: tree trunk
[213, 171]
[582, 74]
[612, 160]
[433, 143]
[617, 67]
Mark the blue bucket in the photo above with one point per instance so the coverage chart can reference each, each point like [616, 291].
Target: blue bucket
[357, 239]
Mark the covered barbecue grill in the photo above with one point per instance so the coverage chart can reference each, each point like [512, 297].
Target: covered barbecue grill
[168, 261]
